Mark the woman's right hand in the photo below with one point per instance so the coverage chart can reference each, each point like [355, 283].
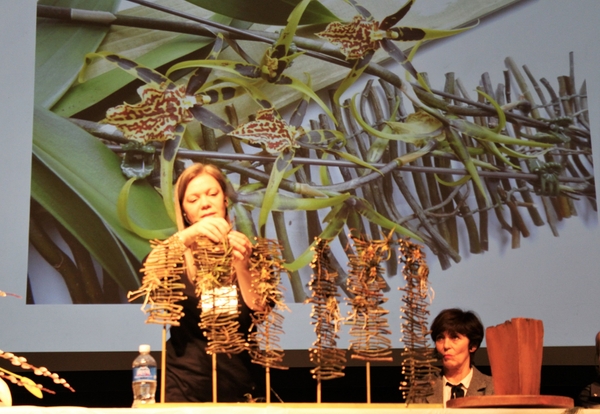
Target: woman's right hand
[214, 228]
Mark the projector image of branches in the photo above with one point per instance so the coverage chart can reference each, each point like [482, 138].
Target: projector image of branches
[380, 175]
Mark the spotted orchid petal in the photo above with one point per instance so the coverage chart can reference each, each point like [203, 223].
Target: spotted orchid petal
[363, 36]
[354, 39]
[270, 131]
[156, 116]
[277, 138]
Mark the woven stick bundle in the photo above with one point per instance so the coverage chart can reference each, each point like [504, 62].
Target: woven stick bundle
[267, 265]
[218, 297]
[417, 365]
[162, 287]
[369, 325]
[329, 360]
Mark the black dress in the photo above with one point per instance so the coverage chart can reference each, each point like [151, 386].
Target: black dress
[189, 367]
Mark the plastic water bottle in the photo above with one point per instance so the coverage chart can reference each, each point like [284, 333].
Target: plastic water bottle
[144, 377]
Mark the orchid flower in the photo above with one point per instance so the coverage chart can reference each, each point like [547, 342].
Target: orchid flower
[361, 38]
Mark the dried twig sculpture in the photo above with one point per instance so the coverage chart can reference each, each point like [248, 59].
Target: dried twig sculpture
[369, 325]
[417, 365]
[266, 262]
[214, 285]
[218, 300]
[162, 286]
[264, 340]
[329, 360]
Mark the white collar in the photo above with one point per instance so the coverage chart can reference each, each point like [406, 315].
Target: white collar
[465, 382]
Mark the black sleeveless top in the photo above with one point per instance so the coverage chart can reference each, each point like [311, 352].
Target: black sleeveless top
[189, 367]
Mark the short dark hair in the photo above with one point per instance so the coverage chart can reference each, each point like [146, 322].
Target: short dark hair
[457, 321]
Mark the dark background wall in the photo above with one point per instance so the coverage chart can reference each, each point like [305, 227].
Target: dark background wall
[113, 388]
[564, 373]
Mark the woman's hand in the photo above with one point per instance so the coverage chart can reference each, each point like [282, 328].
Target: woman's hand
[214, 228]
[217, 229]
[241, 247]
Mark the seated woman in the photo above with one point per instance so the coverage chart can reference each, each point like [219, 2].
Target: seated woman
[201, 210]
[457, 335]
[590, 395]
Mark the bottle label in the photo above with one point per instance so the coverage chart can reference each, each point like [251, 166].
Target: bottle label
[144, 373]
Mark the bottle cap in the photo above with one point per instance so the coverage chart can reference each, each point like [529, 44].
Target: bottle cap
[144, 349]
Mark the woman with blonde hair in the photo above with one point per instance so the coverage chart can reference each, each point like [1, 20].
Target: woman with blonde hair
[201, 208]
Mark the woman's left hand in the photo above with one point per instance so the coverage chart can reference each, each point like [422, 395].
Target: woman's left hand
[241, 247]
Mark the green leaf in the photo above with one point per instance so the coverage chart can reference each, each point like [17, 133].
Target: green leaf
[412, 132]
[28, 383]
[349, 157]
[456, 183]
[285, 203]
[77, 217]
[431, 34]
[335, 225]
[512, 153]
[123, 214]
[32, 387]
[271, 12]
[366, 210]
[460, 150]
[84, 95]
[499, 111]
[281, 164]
[246, 70]
[243, 221]
[358, 68]
[378, 147]
[168, 156]
[287, 34]
[61, 46]
[482, 133]
[306, 90]
[492, 148]
[93, 172]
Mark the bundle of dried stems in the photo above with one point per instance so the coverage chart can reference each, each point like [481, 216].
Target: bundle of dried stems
[324, 353]
[369, 326]
[264, 340]
[418, 357]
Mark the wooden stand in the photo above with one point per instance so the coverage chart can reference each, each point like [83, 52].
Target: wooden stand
[515, 352]
[214, 377]
[268, 384]
[163, 364]
[368, 368]
[319, 391]
[511, 401]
